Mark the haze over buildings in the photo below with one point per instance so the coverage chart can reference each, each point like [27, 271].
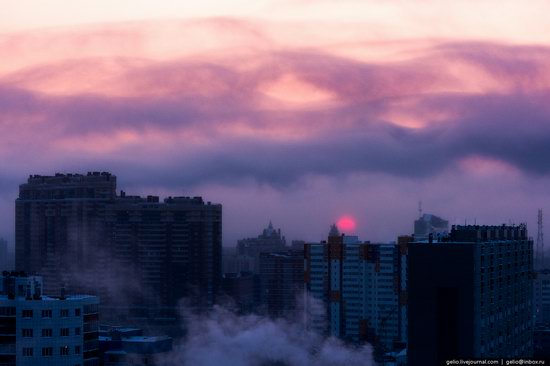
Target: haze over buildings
[80, 235]
[301, 112]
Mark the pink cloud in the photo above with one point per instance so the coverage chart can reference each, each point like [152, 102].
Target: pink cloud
[278, 118]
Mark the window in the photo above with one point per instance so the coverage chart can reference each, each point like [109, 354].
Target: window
[64, 313]
[76, 312]
[77, 350]
[47, 351]
[27, 352]
[47, 332]
[64, 350]
[64, 332]
[27, 333]
[46, 313]
[77, 331]
[7, 311]
[27, 313]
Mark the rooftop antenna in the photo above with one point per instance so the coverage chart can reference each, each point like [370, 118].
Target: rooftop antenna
[419, 209]
[539, 256]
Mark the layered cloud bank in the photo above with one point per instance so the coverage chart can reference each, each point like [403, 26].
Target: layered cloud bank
[222, 108]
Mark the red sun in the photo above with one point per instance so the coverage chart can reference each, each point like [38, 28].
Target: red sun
[346, 224]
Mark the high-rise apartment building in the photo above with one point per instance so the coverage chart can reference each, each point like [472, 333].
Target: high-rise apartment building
[173, 248]
[361, 287]
[470, 295]
[80, 235]
[542, 297]
[41, 330]
[4, 255]
[60, 229]
[282, 282]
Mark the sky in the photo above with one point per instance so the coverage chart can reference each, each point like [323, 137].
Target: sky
[303, 112]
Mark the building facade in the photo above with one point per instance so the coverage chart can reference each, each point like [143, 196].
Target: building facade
[470, 295]
[5, 260]
[80, 235]
[542, 297]
[541, 342]
[42, 330]
[247, 256]
[172, 249]
[120, 346]
[60, 231]
[282, 282]
[242, 288]
[430, 224]
[360, 286]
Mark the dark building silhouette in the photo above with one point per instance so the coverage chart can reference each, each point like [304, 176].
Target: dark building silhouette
[541, 341]
[5, 260]
[470, 295]
[60, 229]
[242, 288]
[173, 248]
[430, 224]
[542, 297]
[249, 249]
[121, 346]
[75, 231]
[282, 281]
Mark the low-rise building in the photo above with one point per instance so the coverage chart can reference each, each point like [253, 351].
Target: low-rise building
[122, 346]
[42, 330]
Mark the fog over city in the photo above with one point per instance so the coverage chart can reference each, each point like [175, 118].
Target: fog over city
[273, 182]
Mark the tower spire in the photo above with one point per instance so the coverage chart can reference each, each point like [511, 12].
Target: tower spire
[334, 230]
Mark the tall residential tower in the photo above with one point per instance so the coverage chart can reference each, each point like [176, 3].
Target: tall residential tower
[471, 295]
[80, 235]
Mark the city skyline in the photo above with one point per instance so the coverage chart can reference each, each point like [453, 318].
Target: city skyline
[302, 112]
[282, 182]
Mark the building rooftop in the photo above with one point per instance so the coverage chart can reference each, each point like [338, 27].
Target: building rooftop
[49, 298]
[137, 339]
[469, 234]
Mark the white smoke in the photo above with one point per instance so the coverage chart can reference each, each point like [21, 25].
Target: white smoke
[225, 338]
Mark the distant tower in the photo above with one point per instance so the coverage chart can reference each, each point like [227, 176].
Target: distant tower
[419, 209]
[539, 256]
